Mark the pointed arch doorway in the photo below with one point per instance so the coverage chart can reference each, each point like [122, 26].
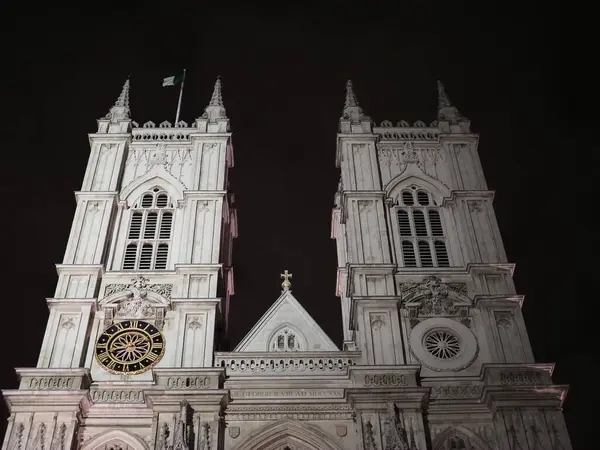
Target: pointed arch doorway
[288, 435]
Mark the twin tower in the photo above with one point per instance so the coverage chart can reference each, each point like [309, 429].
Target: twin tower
[435, 351]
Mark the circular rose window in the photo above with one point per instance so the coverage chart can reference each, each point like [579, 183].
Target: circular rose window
[442, 344]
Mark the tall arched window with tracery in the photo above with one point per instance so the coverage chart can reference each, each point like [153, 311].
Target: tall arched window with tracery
[149, 234]
[422, 237]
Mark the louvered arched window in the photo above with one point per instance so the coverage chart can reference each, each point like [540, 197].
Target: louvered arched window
[149, 233]
[422, 238]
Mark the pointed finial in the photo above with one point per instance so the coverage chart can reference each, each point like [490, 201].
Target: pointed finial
[217, 99]
[286, 285]
[446, 112]
[215, 108]
[123, 100]
[443, 100]
[352, 110]
[120, 110]
[350, 96]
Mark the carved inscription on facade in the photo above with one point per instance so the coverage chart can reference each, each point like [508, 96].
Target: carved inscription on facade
[52, 383]
[291, 393]
[385, 379]
[520, 378]
[188, 382]
[117, 396]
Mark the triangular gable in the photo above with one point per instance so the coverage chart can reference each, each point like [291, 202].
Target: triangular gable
[286, 314]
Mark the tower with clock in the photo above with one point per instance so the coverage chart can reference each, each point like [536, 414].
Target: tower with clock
[434, 356]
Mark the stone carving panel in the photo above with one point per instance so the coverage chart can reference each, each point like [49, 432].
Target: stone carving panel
[117, 396]
[163, 290]
[394, 160]
[452, 391]
[432, 297]
[137, 305]
[385, 380]
[175, 160]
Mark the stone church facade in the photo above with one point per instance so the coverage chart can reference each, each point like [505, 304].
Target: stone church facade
[435, 351]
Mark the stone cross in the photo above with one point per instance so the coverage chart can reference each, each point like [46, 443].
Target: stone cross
[286, 285]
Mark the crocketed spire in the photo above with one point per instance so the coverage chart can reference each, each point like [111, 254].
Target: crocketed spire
[352, 110]
[120, 110]
[215, 108]
[217, 98]
[445, 109]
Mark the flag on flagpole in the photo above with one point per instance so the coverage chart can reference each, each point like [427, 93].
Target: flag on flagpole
[172, 81]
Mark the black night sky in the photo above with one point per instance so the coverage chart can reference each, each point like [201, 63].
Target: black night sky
[283, 87]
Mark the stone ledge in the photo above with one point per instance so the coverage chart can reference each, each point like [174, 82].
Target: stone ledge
[45, 401]
[414, 398]
[206, 400]
[525, 396]
[517, 374]
[53, 379]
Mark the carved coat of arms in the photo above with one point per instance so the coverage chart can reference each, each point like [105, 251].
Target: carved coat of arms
[234, 432]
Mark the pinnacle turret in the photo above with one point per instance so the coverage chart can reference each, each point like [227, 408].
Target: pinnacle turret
[217, 98]
[445, 109]
[350, 96]
[352, 110]
[215, 108]
[120, 110]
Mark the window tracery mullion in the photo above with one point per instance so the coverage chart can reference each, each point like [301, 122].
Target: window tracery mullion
[433, 252]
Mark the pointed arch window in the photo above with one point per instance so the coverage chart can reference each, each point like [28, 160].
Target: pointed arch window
[457, 443]
[149, 232]
[422, 238]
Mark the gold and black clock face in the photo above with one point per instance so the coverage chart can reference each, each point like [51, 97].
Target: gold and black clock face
[130, 347]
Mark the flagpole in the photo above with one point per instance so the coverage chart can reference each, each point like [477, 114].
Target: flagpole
[179, 102]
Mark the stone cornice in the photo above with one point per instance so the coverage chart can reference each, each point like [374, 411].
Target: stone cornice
[45, 401]
[497, 373]
[491, 267]
[498, 300]
[201, 400]
[525, 396]
[202, 195]
[414, 398]
[98, 269]
[53, 379]
[67, 302]
[468, 195]
[109, 136]
[459, 137]
[95, 195]
[197, 269]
